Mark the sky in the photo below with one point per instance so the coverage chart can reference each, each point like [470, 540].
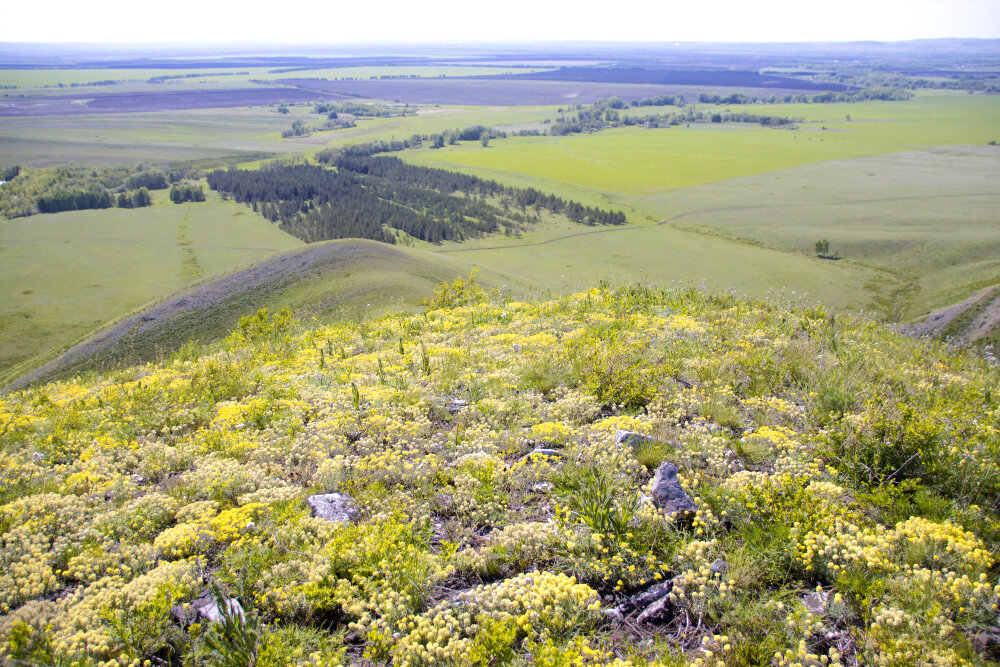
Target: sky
[423, 21]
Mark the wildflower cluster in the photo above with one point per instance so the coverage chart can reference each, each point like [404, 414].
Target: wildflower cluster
[499, 458]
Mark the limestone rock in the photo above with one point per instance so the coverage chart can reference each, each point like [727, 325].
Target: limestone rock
[336, 507]
[207, 609]
[719, 567]
[632, 439]
[816, 602]
[211, 611]
[654, 603]
[668, 494]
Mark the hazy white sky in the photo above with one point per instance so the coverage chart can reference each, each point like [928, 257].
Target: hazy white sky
[466, 20]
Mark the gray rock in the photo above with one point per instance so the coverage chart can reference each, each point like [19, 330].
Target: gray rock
[816, 602]
[206, 608]
[138, 479]
[456, 405]
[668, 494]
[654, 603]
[987, 642]
[336, 507]
[632, 439]
[212, 611]
[660, 611]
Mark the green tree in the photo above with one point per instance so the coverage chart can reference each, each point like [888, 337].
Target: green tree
[822, 247]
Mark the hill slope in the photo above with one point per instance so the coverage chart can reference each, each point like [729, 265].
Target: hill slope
[625, 477]
[974, 322]
[325, 280]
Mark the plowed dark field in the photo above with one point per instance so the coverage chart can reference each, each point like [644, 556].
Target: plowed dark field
[75, 104]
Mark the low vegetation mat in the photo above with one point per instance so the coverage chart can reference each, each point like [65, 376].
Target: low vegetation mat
[620, 476]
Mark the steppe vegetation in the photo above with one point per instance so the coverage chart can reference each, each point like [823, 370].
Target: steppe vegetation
[666, 426]
[494, 460]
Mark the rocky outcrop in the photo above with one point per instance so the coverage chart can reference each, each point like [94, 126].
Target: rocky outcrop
[654, 603]
[668, 495]
[336, 507]
[206, 609]
[632, 439]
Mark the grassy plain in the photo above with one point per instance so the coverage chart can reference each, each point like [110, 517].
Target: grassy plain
[744, 204]
[62, 275]
[635, 161]
[664, 256]
[157, 137]
[915, 217]
[929, 216]
[235, 135]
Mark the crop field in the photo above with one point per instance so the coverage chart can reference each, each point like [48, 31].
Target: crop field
[103, 102]
[231, 135]
[239, 134]
[503, 91]
[38, 78]
[64, 274]
[722, 78]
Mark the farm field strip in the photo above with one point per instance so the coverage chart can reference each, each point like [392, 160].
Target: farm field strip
[39, 78]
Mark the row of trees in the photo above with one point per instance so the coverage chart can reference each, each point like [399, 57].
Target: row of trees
[369, 197]
[602, 115]
[93, 196]
[333, 109]
[73, 187]
[392, 168]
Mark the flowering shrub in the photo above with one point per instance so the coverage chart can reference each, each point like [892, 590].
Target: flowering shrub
[820, 453]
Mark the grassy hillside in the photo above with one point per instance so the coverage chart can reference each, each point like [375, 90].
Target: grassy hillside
[328, 281]
[661, 255]
[928, 216]
[65, 274]
[835, 502]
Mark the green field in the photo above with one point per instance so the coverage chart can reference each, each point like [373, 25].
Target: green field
[885, 188]
[663, 256]
[155, 137]
[239, 134]
[912, 216]
[931, 217]
[65, 274]
[634, 161]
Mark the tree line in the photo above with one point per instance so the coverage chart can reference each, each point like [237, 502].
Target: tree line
[442, 180]
[603, 114]
[375, 197]
[74, 187]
